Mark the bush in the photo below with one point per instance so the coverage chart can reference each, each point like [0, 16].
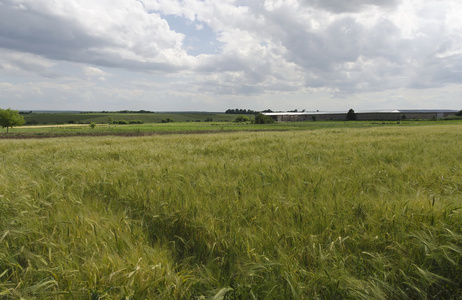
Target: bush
[167, 120]
[263, 119]
[241, 119]
[136, 122]
[123, 122]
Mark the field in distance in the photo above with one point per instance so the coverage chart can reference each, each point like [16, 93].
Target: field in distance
[104, 118]
[333, 213]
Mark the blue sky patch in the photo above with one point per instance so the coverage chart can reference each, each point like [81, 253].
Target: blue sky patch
[199, 37]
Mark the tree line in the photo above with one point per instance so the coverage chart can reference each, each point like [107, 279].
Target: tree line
[119, 112]
[240, 111]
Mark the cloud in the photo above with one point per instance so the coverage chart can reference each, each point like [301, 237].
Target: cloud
[231, 48]
[92, 73]
[367, 47]
[108, 33]
[24, 64]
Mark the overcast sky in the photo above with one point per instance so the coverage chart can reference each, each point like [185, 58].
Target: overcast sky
[211, 55]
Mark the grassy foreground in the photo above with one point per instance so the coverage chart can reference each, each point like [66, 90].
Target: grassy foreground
[359, 213]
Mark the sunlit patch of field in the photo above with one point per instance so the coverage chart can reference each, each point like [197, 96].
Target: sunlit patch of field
[53, 126]
[361, 213]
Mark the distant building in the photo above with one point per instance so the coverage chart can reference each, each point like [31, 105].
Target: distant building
[379, 115]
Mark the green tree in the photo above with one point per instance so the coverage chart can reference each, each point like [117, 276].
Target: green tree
[168, 120]
[10, 118]
[459, 113]
[263, 119]
[241, 119]
[351, 115]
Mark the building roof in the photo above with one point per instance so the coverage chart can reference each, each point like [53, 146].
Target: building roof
[403, 111]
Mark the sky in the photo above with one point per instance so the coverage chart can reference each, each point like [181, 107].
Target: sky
[212, 55]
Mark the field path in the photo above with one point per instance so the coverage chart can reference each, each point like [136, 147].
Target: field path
[52, 126]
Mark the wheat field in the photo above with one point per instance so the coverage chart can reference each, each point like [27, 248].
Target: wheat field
[339, 213]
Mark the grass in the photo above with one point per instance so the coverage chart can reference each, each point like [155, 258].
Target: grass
[199, 127]
[351, 213]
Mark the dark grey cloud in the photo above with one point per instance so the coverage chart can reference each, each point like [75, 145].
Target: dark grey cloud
[341, 41]
[54, 37]
[21, 64]
[28, 29]
[340, 6]
[436, 72]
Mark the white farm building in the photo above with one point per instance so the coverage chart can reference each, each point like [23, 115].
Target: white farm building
[380, 115]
